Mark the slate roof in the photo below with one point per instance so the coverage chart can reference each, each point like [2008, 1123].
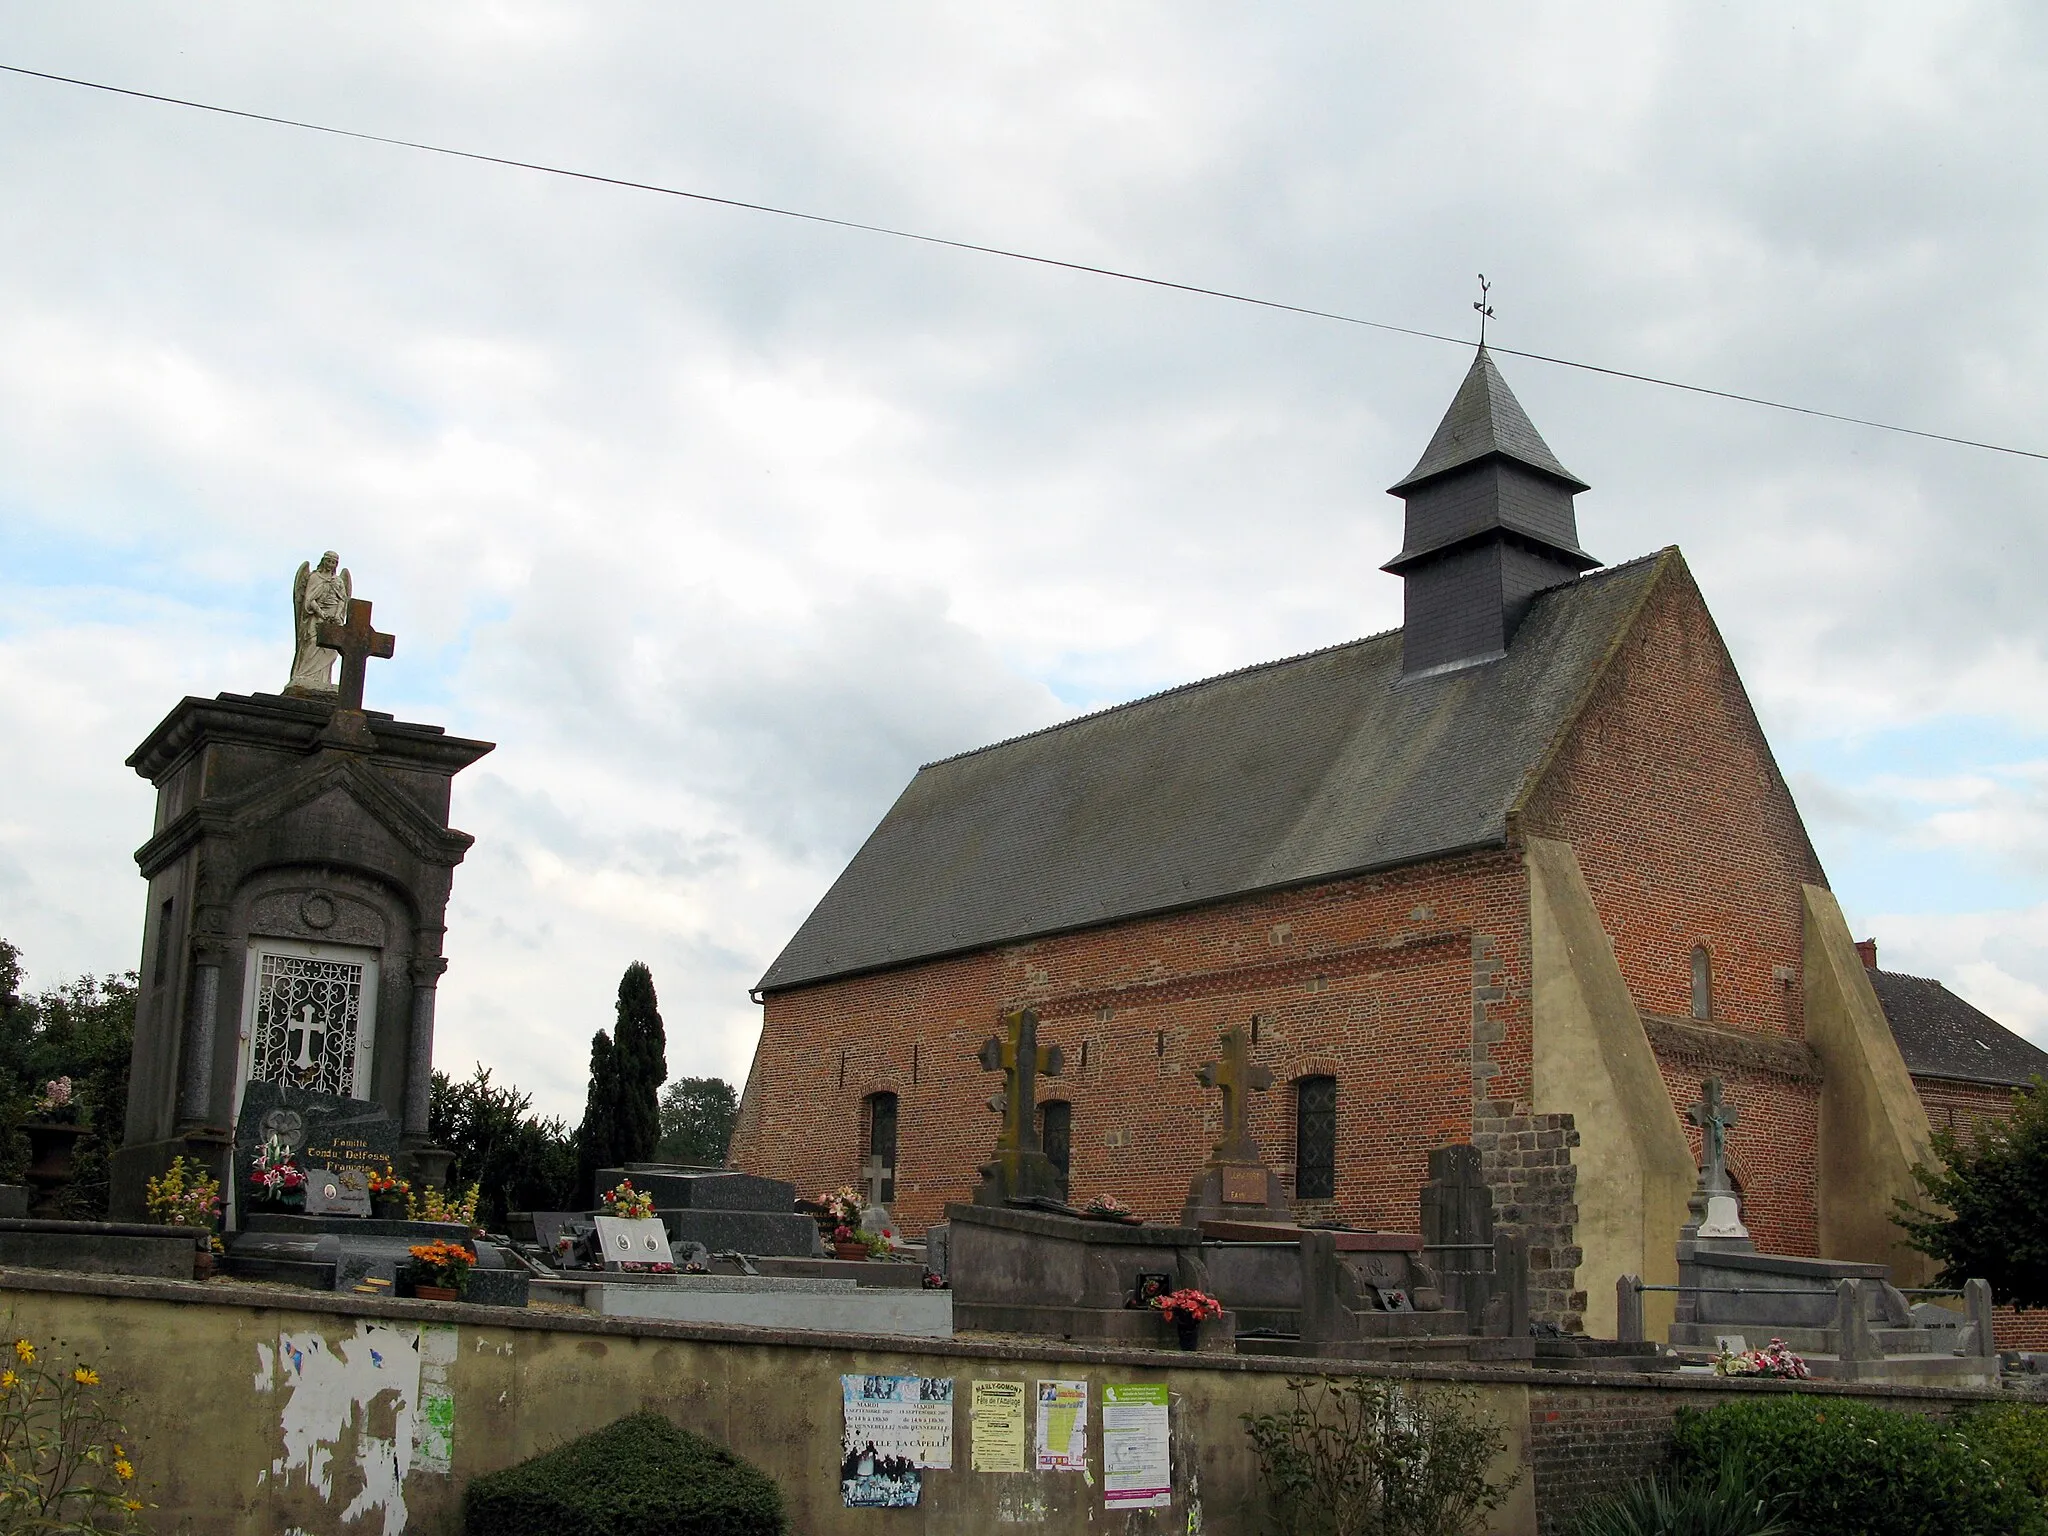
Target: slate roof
[1940, 1035]
[1485, 419]
[1307, 769]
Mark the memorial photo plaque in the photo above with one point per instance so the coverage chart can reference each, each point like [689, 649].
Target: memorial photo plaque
[337, 1192]
[631, 1244]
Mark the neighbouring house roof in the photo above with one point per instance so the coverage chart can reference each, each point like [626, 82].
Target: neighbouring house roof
[1312, 768]
[1940, 1035]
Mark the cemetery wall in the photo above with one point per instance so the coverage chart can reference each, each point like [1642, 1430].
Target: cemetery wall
[1409, 987]
[254, 1410]
[1688, 835]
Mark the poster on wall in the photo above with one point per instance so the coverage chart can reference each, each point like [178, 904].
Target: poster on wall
[1137, 1463]
[997, 1441]
[1063, 1426]
[896, 1428]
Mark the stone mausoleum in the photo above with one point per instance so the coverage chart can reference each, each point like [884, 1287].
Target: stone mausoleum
[299, 872]
[1519, 875]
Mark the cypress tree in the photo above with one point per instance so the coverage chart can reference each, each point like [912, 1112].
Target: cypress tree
[641, 1052]
[597, 1137]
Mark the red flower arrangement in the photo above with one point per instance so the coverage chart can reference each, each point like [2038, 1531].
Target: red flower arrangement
[1189, 1306]
[274, 1176]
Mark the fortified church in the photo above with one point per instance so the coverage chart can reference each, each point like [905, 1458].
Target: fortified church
[1520, 874]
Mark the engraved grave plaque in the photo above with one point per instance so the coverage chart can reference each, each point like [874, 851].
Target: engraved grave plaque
[1244, 1186]
[632, 1244]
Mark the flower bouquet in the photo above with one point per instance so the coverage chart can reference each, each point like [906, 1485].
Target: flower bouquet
[275, 1180]
[57, 1104]
[438, 1271]
[1774, 1360]
[627, 1202]
[390, 1195]
[1187, 1310]
[1109, 1208]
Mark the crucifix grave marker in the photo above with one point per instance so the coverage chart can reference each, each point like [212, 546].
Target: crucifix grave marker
[874, 1173]
[1234, 1075]
[356, 641]
[1714, 1117]
[1020, 1169]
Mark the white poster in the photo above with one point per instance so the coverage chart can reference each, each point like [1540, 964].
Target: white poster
[896, 1427]
[1137, 1461]
[1063, 1426]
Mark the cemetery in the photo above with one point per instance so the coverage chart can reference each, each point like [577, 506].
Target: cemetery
[313, 1320]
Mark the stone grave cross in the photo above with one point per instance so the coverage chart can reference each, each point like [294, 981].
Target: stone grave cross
[356, 641]
[1235, 1075]
[874, 1174]
[308, 1030]
[1017, 1054]
[1714, 1117]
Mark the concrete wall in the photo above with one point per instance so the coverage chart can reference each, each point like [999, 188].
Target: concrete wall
[1873, 1127]
[255, 1410]
[1593, 1061]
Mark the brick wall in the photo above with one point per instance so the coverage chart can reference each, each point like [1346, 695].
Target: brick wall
[1688, 836]
[1407, 987]
[1527, 1160]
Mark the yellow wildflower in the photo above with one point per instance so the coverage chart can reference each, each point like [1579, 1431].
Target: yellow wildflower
[25, 1351]
[85, 1376]
[131, 1505]
[9, 1381]
[124, 1470]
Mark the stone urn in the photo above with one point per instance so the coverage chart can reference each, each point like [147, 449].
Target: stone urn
[50, 1146]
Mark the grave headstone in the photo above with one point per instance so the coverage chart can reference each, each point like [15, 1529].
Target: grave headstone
[628, 1243]
[1235, 1184]
[1019, 1168]
[318, 1130]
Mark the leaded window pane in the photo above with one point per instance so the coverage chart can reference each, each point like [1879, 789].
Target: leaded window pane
[1056, 1135]
[308, 1018]
[1315, 1138]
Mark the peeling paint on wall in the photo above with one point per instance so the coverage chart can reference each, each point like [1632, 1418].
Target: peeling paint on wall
[389, 1386]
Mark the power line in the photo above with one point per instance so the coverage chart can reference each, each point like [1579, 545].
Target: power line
[1011, 255]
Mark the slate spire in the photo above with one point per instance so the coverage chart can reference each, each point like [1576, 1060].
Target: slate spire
[1490, 524]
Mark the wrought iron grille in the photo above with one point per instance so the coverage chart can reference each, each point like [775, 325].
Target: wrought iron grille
[1315, 1138]
[308, 1016]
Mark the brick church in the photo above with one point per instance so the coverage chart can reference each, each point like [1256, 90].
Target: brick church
[1518, 874]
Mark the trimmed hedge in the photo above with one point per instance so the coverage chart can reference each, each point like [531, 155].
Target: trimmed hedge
[640, 1476]
[2016, 1433]
[1849, 1468]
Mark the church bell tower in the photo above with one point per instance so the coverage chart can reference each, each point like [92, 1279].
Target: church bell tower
[1490, 524]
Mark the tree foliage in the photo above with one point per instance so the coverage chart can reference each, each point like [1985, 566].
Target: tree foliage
[519, 1161]
[83, 1029]
[597, 1136]
[640, 1048]
[1993, 1183]
[696, 1120]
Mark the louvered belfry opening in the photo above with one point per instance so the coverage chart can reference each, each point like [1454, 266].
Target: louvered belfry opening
[1490, 524]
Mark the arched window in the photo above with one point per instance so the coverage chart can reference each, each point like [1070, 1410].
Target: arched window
[1702, 982]
[1315, 1138]
[881, 1142]
[1056, 1135]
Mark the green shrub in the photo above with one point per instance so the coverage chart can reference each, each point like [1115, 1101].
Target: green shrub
[1848, 1468]
[640, 1476]
[1354, 1457]
[2015, 1434]
[1727, 1502]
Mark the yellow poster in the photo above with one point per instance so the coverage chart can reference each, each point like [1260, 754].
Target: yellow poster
[996, 1418]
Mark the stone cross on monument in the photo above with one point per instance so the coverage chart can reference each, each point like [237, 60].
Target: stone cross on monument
[1020, 1169]
[356, 641]
[874, 1173]
[1235, 1184]
[1714, 1118]
[1235, 1075]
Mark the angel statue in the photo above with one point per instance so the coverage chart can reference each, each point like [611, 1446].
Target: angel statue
[320, 595]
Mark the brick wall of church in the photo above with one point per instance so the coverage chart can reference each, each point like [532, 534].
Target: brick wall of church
[1407, 987]
[1688, 836]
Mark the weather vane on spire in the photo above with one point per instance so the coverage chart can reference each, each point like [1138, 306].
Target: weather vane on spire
[1485, 309]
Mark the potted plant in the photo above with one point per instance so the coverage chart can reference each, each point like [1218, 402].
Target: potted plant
[1187, 1310]
[185, 1195]
[847, 1245]
[55, 1122]
[628, 1203]
[276, 1182]
[438, 1271]
[389, 1195]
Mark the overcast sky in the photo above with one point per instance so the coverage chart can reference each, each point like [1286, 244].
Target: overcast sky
[719, 524]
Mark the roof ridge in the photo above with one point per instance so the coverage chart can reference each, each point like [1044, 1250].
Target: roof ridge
[1256, 666]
